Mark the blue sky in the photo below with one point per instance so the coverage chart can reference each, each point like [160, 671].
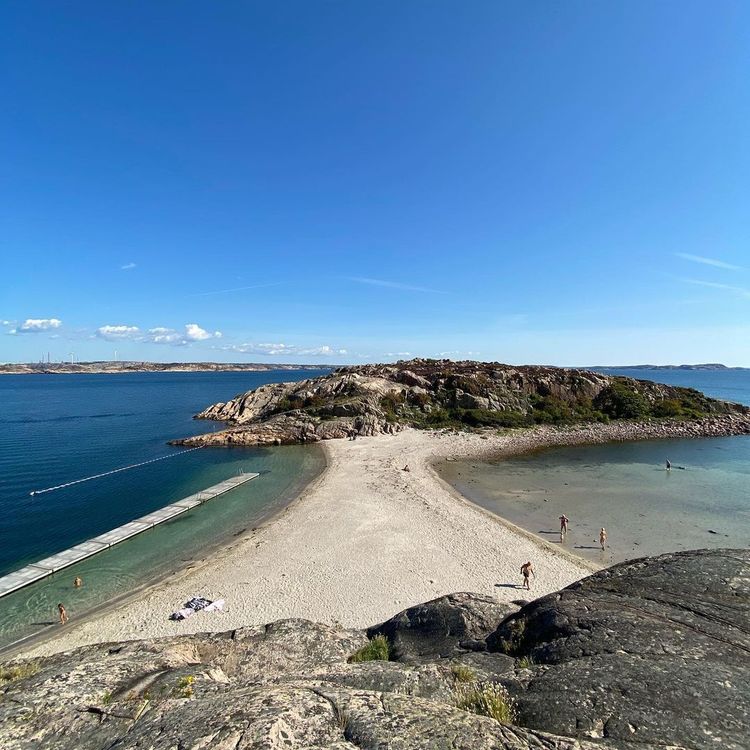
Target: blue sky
[564, 183]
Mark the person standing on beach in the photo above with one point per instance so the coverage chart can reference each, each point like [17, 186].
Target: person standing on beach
[669, 465]
[603, 537]
[564, 520]
[526, 571]
[63, 614]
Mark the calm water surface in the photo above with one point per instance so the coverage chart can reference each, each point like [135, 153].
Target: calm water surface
[59, 428]
[625, 487]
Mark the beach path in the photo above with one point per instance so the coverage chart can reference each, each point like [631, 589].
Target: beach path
[365, 540]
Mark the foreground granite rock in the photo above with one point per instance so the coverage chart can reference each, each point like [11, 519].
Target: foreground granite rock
[382, 399]
[655, 651]
[651, 653]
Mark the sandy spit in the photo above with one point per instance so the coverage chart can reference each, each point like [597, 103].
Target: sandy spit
[363, 541]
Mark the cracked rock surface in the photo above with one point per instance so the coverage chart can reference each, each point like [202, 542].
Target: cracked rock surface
[649, 654]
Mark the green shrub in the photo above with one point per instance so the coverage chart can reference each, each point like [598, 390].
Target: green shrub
[485, 699]
[620, 400]
[376, 650]
[669, 407]
[420, 399]
[490, 418]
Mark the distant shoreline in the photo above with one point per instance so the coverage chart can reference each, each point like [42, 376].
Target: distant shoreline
[117, 368]
[709, 367]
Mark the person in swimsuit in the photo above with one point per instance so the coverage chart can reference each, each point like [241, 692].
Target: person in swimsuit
[77, 582]
[669, 465]
[564, 520]
[603, 537]
[63, 614]
[526, 571]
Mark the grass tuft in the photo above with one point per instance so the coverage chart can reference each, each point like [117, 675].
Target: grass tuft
[485, 699]
[376, 650]
[462, 673]
[14, 672]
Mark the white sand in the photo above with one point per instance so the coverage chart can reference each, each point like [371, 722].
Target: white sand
[363, 541]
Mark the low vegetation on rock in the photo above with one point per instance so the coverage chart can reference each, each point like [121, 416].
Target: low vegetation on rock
[430, 394]
[486, 699]
[377, 649]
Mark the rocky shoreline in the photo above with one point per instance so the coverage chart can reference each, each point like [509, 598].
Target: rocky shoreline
[384, 399]
[648, 654]
[529, 438]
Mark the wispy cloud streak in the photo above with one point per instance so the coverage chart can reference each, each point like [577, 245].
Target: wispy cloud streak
[237, 289]
[709, 262]
[741, 291]
[393, 285]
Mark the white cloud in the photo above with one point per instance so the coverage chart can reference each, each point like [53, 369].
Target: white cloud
[161, 335]
[157, 335]
[325, 351]
[194, 332]
[36, 325]
[398, 354]
[6, 322]
[128, 267]
[275, 350]
[118, 333]
[709, 261]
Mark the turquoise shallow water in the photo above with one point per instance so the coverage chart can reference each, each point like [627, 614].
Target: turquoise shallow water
[625, 487]
[60, 428]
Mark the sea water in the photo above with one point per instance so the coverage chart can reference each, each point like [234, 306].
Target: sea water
[58, 428]
[703, 502]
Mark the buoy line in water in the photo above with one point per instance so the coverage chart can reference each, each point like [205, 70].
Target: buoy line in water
[113, 471]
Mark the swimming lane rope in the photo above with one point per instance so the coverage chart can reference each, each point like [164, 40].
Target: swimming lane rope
[114, 471]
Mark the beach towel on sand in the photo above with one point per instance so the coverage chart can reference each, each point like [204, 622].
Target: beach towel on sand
[196, 604]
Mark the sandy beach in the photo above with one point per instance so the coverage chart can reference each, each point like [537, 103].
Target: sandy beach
[365, 540]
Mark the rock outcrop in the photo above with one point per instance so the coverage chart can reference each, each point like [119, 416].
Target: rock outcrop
[649, 654]
[381, 399]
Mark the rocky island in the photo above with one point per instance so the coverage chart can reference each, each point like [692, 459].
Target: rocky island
[653, 653]
[384, 399]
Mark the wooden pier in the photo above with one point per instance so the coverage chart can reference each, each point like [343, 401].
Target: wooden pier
[43, 568]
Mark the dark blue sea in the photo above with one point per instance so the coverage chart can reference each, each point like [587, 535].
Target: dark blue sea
[56, 429]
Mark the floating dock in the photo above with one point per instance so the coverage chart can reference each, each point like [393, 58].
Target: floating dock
[43, 568]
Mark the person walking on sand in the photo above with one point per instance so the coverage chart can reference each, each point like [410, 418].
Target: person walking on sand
[603, 537]
[63, 614]
[77, 582]
[526, 571]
